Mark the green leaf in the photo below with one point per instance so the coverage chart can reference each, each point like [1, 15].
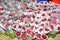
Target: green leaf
[49, 35]
[0, 33]
[40, 39]
[6, 33]
[53, 35]
[28, 39]
[12, 35]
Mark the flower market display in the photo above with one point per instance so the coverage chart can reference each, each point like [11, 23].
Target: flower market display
[29, 19]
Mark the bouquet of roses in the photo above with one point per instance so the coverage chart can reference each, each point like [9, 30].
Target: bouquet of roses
[29, 20]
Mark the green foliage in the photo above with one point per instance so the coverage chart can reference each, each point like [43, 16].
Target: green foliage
[9, 34]
[51, 35]
[28, 38]
[12, 34]
[0, 33]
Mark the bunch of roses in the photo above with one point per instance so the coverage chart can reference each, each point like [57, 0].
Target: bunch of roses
[34, 20]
